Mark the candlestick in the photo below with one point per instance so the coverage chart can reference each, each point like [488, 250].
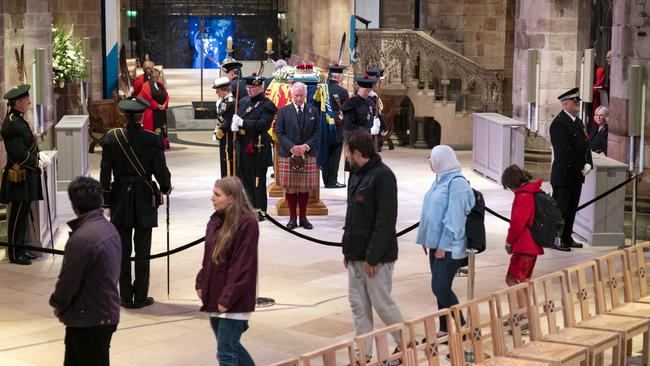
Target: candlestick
[229, 44]
[269, 45]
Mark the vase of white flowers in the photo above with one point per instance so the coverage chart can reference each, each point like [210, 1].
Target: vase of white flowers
[68, 68]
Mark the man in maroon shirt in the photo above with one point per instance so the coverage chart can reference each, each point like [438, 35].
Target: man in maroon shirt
[86, 298]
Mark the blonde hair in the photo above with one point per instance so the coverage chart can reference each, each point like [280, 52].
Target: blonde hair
[240, 205]
[605, 111]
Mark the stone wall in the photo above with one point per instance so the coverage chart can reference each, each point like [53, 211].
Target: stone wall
[85, 16]
[27, 22]
[559, 29]
[397, 14]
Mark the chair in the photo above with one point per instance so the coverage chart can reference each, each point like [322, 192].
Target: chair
[328, 355]
[583, 284]
[612, 269]
[639, 269]
[551, 302]
[289, 362]
[103, 115]
[515, 315]
[428, 326]
[482, 333]
[379, 338]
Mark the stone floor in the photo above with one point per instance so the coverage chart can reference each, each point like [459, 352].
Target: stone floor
[307, 280]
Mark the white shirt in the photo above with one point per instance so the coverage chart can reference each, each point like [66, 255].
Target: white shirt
[573, 118]
[233, 316]
[299, 107]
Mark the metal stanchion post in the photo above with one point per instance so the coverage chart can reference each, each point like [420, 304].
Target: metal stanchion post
[471, 257]
[634, 193]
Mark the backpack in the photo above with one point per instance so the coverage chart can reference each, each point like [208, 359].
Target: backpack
[475, 224]
[548, 221]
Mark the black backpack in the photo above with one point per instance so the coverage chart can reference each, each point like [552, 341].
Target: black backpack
[548, 221]
[475, 224]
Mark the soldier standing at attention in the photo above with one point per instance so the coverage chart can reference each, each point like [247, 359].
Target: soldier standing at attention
[21, 177]
[222, 132]
[131, 156]
[338, 96]
[252, 121]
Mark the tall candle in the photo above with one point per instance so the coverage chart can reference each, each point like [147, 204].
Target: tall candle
[269, 45]
[229, 44]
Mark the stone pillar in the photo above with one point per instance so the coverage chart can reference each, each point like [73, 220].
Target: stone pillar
[321, 26]
[86, 18]
[559, 29]
[28, 23]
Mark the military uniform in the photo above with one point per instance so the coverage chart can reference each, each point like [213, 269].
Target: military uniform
[222, 131]
[570, 155]
[230, 66]
[21, 177]
[130, 156]
[338, 96]
[254, 143]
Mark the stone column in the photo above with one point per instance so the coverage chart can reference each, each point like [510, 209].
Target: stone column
[322, 24]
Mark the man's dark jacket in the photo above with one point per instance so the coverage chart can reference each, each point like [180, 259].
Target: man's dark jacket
[130, 197]
[369, 232]
[338, 97]
[570, 150]
[86, 293]
[292, 132]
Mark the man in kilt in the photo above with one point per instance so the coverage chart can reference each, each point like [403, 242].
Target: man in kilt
[298, 131]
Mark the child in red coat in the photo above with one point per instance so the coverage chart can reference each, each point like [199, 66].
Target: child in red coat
[519, 242]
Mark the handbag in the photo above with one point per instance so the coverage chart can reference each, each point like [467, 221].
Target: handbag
[297, 163]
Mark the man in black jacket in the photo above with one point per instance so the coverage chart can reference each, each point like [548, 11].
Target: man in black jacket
[369, 241]
[571, 163]
[225, 110]
[21, 177]
[131, 156]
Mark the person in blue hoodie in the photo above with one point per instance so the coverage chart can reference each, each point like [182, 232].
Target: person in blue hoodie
[442, 225]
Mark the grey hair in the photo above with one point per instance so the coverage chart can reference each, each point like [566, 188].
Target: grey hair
[297, 85]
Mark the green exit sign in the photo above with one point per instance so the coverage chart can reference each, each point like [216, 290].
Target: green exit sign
[131, 13]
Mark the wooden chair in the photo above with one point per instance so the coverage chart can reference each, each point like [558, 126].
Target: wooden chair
[514, 315]
[328, 355]
[482, 333]
[103, 115]
[550, 302]
[384, 353]
[289, 362]
[639, 269]
[612, 269]
[426, 328]
[583, 284]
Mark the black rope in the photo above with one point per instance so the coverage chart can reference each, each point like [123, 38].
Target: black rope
[149, 257]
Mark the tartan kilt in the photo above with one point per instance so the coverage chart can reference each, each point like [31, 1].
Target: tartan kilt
[304, 181]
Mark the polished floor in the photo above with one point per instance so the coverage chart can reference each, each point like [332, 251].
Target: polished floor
[307, 280]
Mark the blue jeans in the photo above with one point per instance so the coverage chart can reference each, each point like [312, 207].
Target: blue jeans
[443, 272]
[230, 352]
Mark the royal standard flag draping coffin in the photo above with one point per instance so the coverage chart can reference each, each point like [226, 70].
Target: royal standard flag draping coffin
[318, 96]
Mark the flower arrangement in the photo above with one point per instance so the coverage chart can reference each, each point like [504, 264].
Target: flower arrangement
[284, 74]
[68, 61]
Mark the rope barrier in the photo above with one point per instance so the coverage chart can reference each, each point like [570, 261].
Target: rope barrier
[301, 235]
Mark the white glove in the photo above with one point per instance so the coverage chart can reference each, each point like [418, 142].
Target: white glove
[375, 129]
[376, 122]
[586, 170]
[233, 126]
[43, 159]
[214, 137]
[236, 120]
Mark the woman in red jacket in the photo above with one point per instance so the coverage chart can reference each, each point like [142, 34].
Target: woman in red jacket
[155, 117]
[227, 280]
[519, 242]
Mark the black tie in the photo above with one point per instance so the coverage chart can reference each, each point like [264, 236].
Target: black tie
[300, 118]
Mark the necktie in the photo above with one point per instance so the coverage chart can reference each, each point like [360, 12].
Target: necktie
[300, 117]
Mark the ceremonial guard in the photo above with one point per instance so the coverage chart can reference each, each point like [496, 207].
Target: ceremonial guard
[232, 69]
[359, 111]
[21, 177]
[378, 74]
[298, 130]
[253, 121]
[131, 156]
[338, 96]
[571, 162]
[222, 131]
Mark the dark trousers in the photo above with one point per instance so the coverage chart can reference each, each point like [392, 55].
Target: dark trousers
[17, 226]
[567, 197]
[330, 175]
[230, 351]
[250, 168]
[88, 346]
[139, 288]
[443, 272]
[226, 142]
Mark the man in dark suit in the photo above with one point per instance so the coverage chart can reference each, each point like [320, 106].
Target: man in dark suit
[252, 121]
[571, 163]
[338, 95]
[21, 177]
[131, 156]
[298, 131]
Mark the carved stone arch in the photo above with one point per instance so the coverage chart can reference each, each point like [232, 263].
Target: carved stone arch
[396, 65]
[476, 90]
[437, 71]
